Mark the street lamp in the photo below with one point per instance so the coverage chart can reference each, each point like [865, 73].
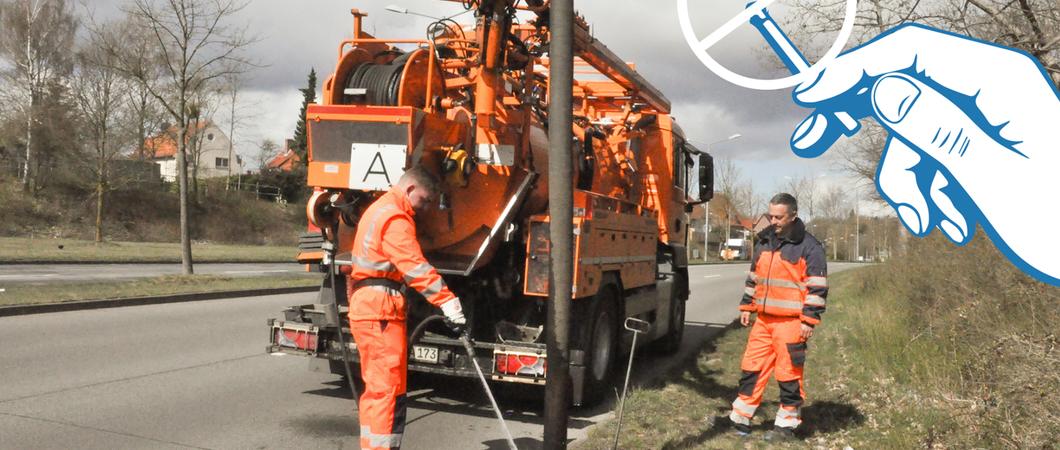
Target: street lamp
[706, 215]
[400, 10]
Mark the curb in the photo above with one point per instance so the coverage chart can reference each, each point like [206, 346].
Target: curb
[19, 310]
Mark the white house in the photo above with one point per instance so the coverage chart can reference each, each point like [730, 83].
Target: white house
[207, 146]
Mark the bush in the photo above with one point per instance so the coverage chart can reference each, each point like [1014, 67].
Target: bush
[150, 214]
[973, 335]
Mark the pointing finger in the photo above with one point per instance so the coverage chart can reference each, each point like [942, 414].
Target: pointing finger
[953, 224]
[897, 183]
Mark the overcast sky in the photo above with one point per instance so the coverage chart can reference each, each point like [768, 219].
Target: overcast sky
[298, 35]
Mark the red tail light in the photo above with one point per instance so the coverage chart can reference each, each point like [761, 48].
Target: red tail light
[296, 339]
[519, 364]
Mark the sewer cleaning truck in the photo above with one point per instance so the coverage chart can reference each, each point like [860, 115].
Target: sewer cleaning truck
[470, 103]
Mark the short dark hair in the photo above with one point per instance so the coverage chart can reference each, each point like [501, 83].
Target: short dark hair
[423, 177]
[786, 199]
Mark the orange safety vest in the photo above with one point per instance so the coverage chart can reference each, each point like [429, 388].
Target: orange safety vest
[788, 276]
[385, 246]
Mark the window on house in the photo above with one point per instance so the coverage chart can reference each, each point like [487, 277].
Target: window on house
[221, 163]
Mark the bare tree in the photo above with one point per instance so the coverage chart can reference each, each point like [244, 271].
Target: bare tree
[233, 86]
[35, 39]
[147, 115]
[805, 190]
[728, 178]
[105, 126]
[266, 150]
[195, 48]
[1031, 25]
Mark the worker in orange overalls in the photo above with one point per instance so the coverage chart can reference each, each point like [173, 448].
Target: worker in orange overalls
[786, 288]
[386, 257]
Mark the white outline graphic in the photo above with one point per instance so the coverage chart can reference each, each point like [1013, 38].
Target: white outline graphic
[700, 47]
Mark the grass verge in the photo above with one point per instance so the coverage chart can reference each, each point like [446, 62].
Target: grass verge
[166, 285]
[17, 249]
[689, 407]
[942, 347]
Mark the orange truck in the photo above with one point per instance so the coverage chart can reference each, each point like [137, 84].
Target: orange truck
[470, 103]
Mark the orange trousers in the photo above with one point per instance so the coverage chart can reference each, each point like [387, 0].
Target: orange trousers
[384, 369]
[775, 345]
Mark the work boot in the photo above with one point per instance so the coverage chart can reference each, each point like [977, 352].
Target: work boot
[741, 430]
[780, 434]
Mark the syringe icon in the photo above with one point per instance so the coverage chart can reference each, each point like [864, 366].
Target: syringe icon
[818, 132]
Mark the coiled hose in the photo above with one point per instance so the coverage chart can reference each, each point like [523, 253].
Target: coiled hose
[381, 82]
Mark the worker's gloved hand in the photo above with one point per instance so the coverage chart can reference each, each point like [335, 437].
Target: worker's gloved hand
[972, 135]
[454, 315]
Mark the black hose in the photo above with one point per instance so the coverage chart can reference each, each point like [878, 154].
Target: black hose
[333, 273]
[381, 82]
[422, 327]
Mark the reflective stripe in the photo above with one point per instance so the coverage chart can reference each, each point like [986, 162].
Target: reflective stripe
[372, 224]
[743, 408]
[785, 304]
[817, 281]
[781, 283]
[365, 263]
[736, 417]
[417, 272]
[433, 289]
[815, 300]
[383, 289]
[752, 277]
[787, 419]
[749, 291]
[381, 440]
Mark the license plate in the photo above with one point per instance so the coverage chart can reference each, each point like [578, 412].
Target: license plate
[425, 354]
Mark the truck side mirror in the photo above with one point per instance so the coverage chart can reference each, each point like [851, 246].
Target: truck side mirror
[706, 177]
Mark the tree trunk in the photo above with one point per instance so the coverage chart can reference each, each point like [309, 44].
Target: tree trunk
[182, 180]
[27, 173]
[100, 189]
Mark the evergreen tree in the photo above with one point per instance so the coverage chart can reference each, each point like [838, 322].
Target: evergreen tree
[309, 95]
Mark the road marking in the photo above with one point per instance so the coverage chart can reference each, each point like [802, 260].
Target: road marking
[711, 276]
[255, 271]
[28, 277]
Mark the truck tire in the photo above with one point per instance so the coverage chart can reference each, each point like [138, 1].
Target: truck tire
[671, 341]
[600, 343]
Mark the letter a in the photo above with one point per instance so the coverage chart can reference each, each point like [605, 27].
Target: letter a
[378, 157]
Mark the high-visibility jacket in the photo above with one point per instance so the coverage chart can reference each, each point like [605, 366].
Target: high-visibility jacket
[789, 275]
[385, 246]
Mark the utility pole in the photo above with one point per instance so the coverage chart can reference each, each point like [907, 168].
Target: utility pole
[857, 225]
[561, 230]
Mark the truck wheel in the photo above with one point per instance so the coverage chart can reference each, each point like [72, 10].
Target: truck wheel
[600, 343]
[671, 341]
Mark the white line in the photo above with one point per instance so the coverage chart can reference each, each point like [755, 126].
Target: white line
[255, 271]
[29, 277]
[711, 276]
[732, 24]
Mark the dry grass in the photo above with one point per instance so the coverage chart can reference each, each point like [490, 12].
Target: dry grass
[174, 284]
[72, 250]
[150, 213]
[942, 347]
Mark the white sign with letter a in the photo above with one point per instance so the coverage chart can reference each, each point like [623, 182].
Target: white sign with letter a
[375, 167]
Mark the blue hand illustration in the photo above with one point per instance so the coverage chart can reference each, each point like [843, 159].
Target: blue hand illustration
[974, 136]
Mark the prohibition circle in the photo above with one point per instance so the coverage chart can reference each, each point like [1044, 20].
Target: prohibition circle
[700, 47]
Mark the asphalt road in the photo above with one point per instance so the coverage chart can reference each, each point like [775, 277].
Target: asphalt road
[58, 273]
[195, 375]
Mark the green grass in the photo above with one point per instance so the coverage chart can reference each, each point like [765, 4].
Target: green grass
[893, 366]
[18, 249]
[166, 285]
[689, 408]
